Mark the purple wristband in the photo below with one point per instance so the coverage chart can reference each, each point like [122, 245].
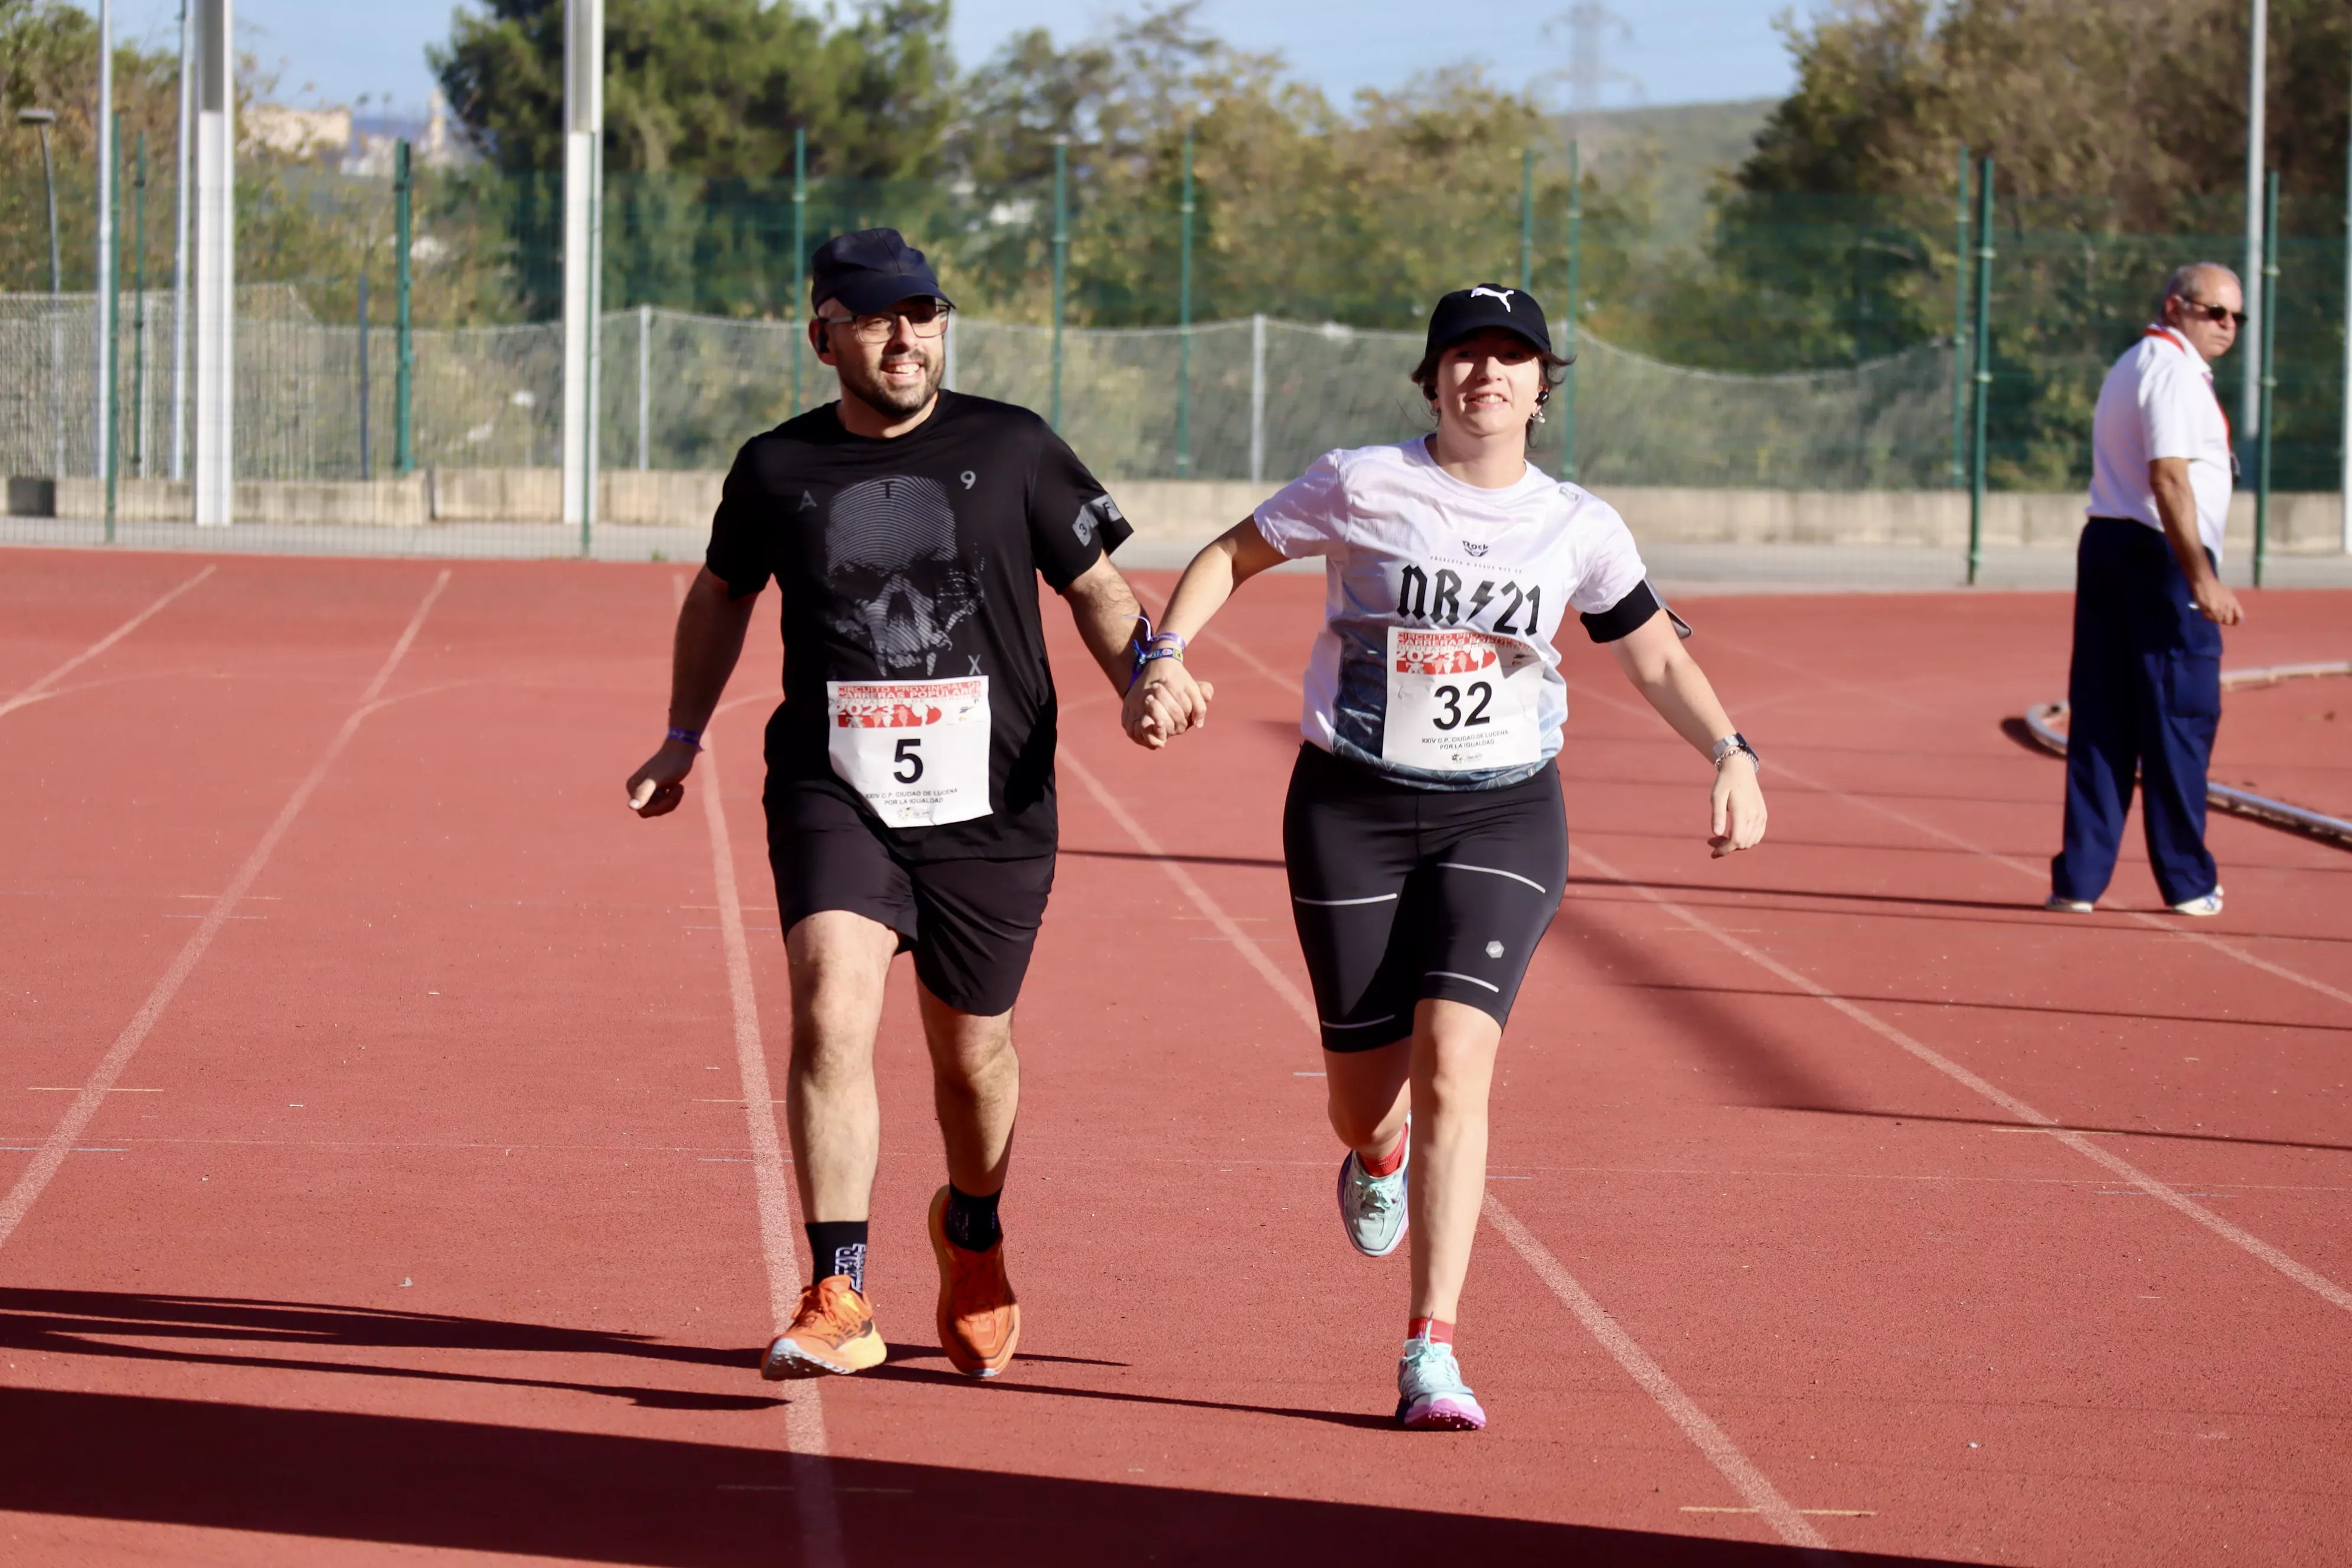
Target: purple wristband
[689, 737]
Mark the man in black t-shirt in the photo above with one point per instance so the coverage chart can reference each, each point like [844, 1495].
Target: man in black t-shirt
[910, 768]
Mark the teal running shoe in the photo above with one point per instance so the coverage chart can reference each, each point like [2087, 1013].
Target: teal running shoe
[1373, 1208]
[1431, 1394]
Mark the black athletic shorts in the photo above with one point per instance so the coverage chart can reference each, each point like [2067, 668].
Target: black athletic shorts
[1403, 893]
[970, 924]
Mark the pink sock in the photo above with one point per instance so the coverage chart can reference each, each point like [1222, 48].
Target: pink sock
[1437, 1330]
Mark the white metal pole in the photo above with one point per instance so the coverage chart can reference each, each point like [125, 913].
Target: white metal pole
[104, 314]
[644, 378]
[948, 365]
[215, 264]
[1258, 399]
[583, 119]
[183, 154]
[592, 444]
[2250, 399]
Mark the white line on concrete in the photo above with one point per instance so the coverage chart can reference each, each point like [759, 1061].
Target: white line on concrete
[44, 1165]
[2327, 1289]
[1720, 1451]
[42, 687]
[820, 1519]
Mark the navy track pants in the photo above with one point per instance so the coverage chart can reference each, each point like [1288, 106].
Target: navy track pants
[2144, 693]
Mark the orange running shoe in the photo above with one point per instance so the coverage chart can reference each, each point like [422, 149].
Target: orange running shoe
[832, 1332]
[980, 1318]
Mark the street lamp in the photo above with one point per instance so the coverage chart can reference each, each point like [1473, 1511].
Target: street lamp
[41, 120]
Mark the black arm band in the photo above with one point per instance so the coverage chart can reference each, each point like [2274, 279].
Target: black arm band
[1626, 616]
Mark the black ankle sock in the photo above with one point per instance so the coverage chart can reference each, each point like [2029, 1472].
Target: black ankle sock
[839, 1247]
[971, 1222]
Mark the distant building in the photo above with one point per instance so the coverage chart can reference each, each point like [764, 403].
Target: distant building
[355, 144]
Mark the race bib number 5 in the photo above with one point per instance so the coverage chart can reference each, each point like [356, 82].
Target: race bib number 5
[916, 750]
[1460, 701]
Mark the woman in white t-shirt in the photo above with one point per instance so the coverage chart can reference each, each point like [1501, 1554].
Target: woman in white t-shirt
[1423, 832]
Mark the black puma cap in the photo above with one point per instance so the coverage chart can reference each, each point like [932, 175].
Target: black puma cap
[1488, 306]
[870, 271]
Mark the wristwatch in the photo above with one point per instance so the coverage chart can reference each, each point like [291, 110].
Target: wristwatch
[1737, 742]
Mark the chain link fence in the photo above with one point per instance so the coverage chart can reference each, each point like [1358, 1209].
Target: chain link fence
[1250, 400]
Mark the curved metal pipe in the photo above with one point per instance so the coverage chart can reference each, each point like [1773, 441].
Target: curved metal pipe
[2041, 723]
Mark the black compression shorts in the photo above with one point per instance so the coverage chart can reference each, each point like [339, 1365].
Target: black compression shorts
[1402, 894]
[970, 924]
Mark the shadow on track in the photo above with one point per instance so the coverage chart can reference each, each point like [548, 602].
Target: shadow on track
[897, 1371]
[335, 1475]
[95, 1322]
[2068, 1126]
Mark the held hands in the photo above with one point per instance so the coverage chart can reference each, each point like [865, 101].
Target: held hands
[1164, 702]
[1738, 806]
[656, 789]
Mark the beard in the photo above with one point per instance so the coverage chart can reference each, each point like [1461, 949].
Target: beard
[869, 386]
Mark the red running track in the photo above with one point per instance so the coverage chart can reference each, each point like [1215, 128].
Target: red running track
[408, 1203]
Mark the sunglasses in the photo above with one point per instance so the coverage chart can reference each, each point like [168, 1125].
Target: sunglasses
[924, 318]
[2214, 313]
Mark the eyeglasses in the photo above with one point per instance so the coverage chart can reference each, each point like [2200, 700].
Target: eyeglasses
[2214, 313]
[924, 318]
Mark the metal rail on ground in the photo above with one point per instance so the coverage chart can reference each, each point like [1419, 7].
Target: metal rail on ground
[2041, 723]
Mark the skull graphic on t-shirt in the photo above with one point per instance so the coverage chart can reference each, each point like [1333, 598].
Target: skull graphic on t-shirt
[899, 585]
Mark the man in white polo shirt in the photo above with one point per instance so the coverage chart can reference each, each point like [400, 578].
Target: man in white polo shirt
[2145, 688]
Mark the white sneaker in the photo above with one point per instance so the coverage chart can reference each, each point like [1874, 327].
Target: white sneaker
[1431, 1394]
[1373, 1208]
[2210, 904]
[2068, 906]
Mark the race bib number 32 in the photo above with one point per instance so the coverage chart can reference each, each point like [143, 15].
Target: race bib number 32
[916, 750]
[1460, 701]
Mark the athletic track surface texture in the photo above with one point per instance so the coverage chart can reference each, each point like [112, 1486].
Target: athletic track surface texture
[381, 1181]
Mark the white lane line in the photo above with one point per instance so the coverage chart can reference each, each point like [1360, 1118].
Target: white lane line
[42, 688]
[1707, 1437]
[1735, 1466]
[44, 1165]
[820, 1521]
[2327, 1289]
[2172, 926]
[1210, 909]
[1257, 665]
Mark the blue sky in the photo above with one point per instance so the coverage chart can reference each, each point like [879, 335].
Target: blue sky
[1680, 51]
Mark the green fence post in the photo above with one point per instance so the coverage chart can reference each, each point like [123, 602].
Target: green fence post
[799, 254]
[1527, 219]
[113, 390]
[1983, 356]
[2269, 328]
[1060, 259]
[1960, 335]
[138, 310]
[1565, 400]
[1184, 326]
[404, 346]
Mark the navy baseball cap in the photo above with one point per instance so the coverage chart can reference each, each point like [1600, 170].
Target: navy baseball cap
[870, 271]
[1484, 307]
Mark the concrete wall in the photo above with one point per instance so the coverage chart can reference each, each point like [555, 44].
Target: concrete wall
[1196, 511]
[2301, 523]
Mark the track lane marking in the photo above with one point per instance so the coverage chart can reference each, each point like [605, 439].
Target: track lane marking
[2321, 1286]
[1750, 1482]
[820, 1521]
[41, 687]
[2169, 927]
[44, 1166]
[1709, 1438]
